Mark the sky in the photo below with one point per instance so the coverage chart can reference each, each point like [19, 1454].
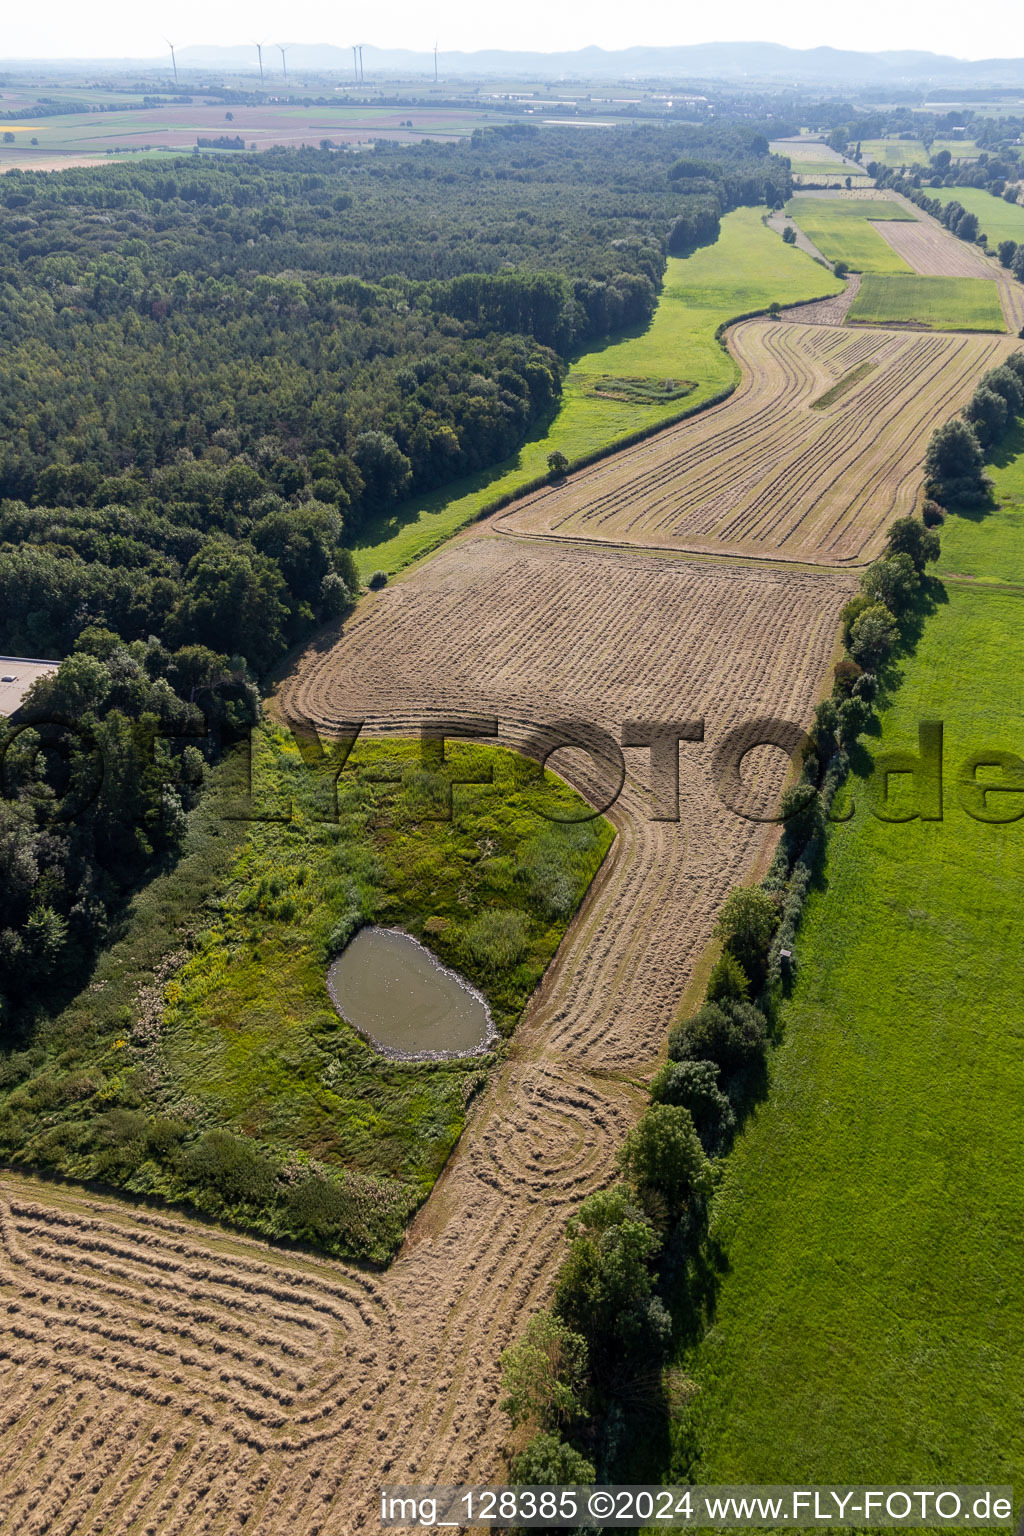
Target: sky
[122, 28]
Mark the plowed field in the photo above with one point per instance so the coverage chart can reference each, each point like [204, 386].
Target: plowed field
[764, 474]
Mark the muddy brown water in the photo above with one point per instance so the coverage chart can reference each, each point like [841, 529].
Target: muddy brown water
[404, 1001]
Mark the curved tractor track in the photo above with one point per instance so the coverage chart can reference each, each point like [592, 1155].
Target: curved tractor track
[165, 1379]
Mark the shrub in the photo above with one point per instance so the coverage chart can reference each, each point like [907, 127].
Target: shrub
[801, 817]
[694, 1086]
[605, 1288]
[873, 636]
[893, 582]
[854, 714]
[497, 939]
[377, 580]
[789, 235]
[728, 980]
[953, 465]
[851, 613]
[987, 413]
[932, 514]
[745, 925]
[840, 268]
[1005, 383]
[662, 1154]
[730, 1034]
[558, 465]
[548, 1461]
[230, 1166]
[543, 1376]
[909, 537]
[319, 1210]
[845, 674]
[1007, 250]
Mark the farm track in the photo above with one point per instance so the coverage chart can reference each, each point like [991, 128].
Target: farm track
[932, 251]
[165, 1379]
[764, 475]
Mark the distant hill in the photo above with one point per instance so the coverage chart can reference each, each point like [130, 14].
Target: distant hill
[732, 61]
[768, 62]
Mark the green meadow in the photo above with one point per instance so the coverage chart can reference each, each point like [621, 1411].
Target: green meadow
[940, 303]
[242, 1082]
[747, 269]
[997, 219]
[870, 1291]
[842, 230]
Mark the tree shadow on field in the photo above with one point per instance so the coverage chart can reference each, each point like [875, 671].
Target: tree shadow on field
[1010, 447]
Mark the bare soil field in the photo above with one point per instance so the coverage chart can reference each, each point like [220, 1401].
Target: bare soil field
[763, 475]
[161, 1377]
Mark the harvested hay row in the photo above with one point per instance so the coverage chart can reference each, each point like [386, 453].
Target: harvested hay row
[764, 474]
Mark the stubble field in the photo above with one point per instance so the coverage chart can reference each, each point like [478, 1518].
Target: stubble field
[767, 475]
[163, 1377]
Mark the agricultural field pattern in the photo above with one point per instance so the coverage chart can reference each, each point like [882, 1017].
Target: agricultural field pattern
[163, 1377]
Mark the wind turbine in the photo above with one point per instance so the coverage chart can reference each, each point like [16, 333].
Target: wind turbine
[284, 62]
[259, 51]
[355, 66]
[435, 63]
[362, 77]
[174, 62]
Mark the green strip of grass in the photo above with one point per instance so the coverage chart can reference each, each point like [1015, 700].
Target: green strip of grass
[843, 385]
[871, 1298]
[937, 303]
[745, 270]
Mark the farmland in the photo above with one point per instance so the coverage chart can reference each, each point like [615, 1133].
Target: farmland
[764, 474]
[174, 128]
[842, 229]
[747, 269]
[893, 152]
[299, 1385]
[938, 303]
[896, 1341]
[297, 1259]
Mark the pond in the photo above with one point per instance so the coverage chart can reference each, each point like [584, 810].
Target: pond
[405, 1002]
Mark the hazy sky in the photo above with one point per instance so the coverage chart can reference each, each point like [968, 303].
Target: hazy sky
[67, 28]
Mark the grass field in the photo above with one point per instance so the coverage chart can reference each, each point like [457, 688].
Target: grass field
[872, 1302]
[842, 230]
[939, 303]
[997, 219]
[745, 270]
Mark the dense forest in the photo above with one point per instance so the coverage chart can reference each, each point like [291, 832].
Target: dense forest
[212, 373]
